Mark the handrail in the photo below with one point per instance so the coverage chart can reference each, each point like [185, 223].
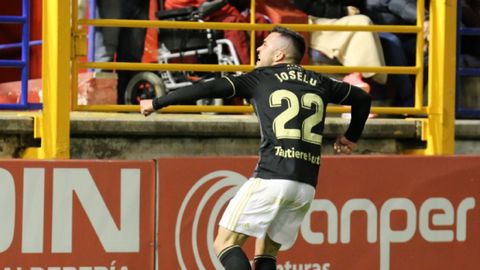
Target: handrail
[12, 63]
[246, 68]
[19, 44]
[237, 109]
[12, 19]
[231, 68]
[248, 26]
[418, 109]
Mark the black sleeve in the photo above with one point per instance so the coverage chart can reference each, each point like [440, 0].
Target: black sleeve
[218, 88]
[360, 102]
[322, 8]
[407, 10]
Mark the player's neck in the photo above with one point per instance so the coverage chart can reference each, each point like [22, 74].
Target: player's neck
[282, 62]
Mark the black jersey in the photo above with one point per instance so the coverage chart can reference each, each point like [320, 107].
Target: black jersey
[290, 103]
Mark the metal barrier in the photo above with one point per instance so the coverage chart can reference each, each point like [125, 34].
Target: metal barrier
[464, 71]
[52, 124]
[417, 70]
[24, 62]
[437, 127]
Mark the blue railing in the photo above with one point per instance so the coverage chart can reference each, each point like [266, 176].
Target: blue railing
[461, 111]
[19, 44]
[23, 64]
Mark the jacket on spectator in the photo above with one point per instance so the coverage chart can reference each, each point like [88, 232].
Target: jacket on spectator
[395, 12]
[332, 9]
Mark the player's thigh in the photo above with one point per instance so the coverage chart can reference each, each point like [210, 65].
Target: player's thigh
[251, 210]
[286, 224]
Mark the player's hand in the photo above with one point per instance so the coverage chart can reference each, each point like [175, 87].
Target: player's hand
[344, 146]
[146, 107]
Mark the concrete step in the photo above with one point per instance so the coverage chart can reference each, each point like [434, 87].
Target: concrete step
[133, 136]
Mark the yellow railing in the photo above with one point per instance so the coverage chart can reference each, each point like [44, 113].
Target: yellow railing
[252, 26]
[437, 128]
[52, 126]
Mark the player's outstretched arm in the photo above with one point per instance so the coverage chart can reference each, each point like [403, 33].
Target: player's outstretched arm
[219, 88]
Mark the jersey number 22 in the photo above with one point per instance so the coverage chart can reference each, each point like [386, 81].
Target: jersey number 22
[308, 101]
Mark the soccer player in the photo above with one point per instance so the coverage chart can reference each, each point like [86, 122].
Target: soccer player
[290, 104]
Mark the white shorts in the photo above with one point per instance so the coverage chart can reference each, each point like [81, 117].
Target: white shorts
[273, 207]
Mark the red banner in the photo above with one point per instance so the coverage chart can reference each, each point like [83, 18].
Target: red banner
[370, 212]
[77, 215]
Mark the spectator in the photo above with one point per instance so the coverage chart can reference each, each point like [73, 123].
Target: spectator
[121, 44]
[400, 49]
[346, 48]
[229, 13]
[470, 48]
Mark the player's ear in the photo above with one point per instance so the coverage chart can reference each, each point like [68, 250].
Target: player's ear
[279, 55]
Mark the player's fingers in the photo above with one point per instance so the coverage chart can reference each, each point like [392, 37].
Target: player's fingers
[336, 148]
[341, 149]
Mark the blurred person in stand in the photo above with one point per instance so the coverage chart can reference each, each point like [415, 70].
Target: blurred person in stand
[231, 12]
[400, 49]
[342, 47]
[470, 50]
[121, 44]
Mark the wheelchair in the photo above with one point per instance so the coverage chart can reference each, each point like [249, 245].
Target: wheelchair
[180, 45]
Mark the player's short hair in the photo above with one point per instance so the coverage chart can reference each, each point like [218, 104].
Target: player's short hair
[296, 39]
